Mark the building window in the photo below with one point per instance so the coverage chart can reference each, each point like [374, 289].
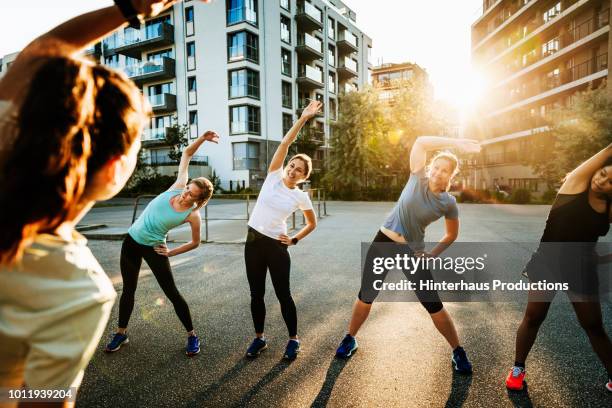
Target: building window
[331, 55]
[244, 119]
[552, 12]
[112, 61]
[286, 62]
[550, 47]
[191, 58]
[193, 124]
[192, 91]
[285, 27]
[243, 82]
[287, 122]
[246, 156]
[287, 97]
[240, 11]
[285, 4]
[332, 109]
[156, 93]
[331, 82]
[158, 56]
[189, 21]
[331, 28]
[242, 45]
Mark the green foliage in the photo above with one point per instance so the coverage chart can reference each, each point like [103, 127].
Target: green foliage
[150, 185]
[216, 182]
[576, 133]
[520, 196]
[176, 137]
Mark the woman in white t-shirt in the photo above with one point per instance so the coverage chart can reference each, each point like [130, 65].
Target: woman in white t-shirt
[69, 136]
[267, 239]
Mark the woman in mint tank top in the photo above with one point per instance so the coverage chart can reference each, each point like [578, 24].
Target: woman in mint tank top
[146, 239]
[425, 199]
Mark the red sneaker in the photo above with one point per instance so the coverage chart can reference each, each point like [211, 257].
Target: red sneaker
[516, 379]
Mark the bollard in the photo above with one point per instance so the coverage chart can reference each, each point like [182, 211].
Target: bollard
[206, 223]
[319, 201]
[293, 219]
[247, 206]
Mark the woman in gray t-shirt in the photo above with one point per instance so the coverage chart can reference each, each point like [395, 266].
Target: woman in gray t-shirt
[424, 200]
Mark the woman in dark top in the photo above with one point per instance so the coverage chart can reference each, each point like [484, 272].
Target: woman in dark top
[579, 215]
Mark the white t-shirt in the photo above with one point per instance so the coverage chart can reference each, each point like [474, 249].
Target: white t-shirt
[54, 307]
[276, 202]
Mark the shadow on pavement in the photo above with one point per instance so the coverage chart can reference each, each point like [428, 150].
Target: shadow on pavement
[333, 372]
[520, 399]
[265, 380]
[231, 374]
[460, 389]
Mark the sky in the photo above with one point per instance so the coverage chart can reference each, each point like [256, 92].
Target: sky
[433, 34]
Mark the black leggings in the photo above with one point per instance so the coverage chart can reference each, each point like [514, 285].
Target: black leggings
[429, 299]
[131, 258]
[260, 254]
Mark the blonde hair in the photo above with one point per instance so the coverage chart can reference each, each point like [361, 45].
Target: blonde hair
[307, 163]
[207, 190]
[452, 158]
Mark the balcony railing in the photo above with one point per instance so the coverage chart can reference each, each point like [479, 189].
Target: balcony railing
[241, 14]
[310, 41]
[134, 41]
[156, 134]
[310, 75]
[309, 15]
[499, 19]
[165, 160]
[349, 63]
[543, 84]
[163, 102]
[155, 69]
[563, 40]
[347, 41]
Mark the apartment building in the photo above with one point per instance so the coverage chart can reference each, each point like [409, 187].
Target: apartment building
[537, 55]
[389, 77]
[244, 68]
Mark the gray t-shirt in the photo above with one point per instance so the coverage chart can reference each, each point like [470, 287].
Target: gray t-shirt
[418, 207]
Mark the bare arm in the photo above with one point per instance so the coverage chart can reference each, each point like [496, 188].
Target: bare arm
[452, 231]
[195, 220]
[423, 144]
[281, 151]
[183, 170]
[69, 38]
[578, 180]
[311, 224]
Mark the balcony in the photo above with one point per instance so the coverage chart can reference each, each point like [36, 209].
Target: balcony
[347, 68]
[502, 17]
[347, 42]
[560, 42]
[348, 87]
[309, 77]
[302, 104]
[309, 17]
[154, 137]
[95, 51]
[135, 42]
[309, 47]
[544, 84]
[165, 161]
[163, 102]
[151, 71]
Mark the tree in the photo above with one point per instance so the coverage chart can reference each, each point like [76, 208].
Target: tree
[575, 133]
[176, 137]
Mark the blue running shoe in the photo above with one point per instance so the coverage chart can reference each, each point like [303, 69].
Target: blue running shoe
[460, 361]
[193, 346]
[347, 347]
[257, 346]
[116, 343]
[292, 350]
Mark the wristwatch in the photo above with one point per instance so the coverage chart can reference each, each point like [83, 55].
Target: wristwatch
[294, 240]
[129, 12]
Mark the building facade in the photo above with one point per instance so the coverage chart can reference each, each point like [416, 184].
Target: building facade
[244, 68]
[388, 78]
[537, 54]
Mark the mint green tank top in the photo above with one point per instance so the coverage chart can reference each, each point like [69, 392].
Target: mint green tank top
[158, 217]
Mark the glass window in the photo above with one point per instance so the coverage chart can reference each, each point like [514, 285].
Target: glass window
[189, 21]
[239, 11]
[192, 88]
[287, 122]
[244, 119]
[189, 14]
[285, 4]
[286, 62]
[112, 60]
[246, 156]
[552, 12]
[241, 45]
[331, 28]
[287, 97]
[285, 27]
[193, 124]
[331, 55]
[331, 82]
[158, 56]
[191, 61]
[160, 89]
[243, 82]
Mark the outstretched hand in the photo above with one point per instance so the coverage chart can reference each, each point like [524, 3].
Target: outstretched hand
[311, 110]
[211, 136]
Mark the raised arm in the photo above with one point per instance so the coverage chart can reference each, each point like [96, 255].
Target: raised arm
[579, 178]
[423, 144]
[71, 37]
[281, 151]
[183, 170]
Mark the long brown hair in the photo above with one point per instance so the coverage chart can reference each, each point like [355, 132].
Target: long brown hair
[207, 191]
[72, 119]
